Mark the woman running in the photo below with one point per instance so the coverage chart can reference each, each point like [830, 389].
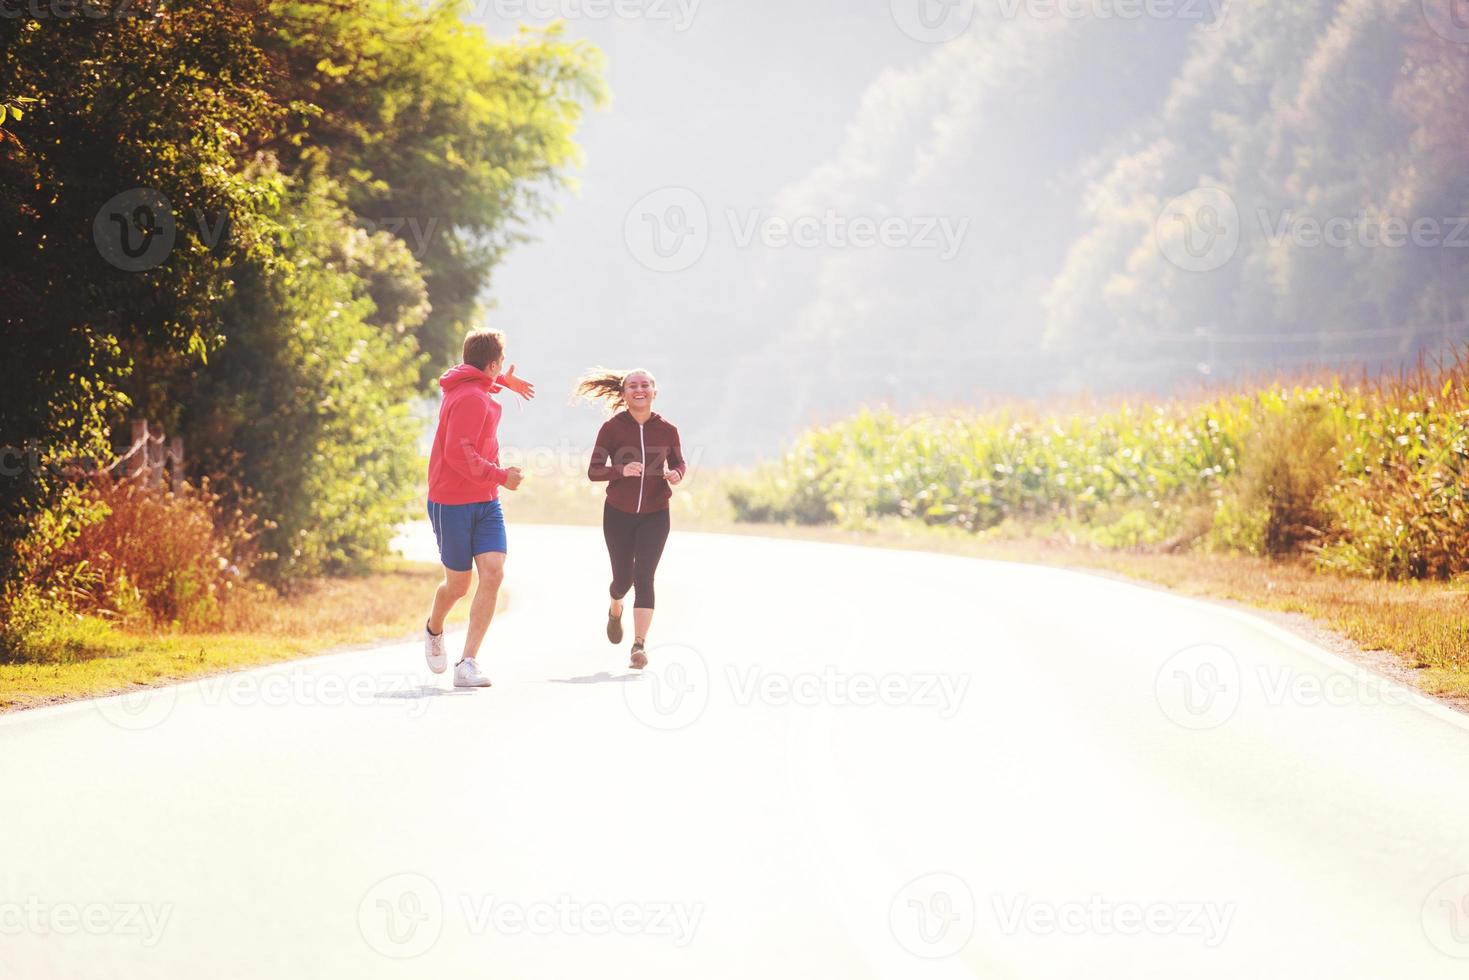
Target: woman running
[639, 457]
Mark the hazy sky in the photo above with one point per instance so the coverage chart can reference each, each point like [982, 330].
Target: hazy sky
[792, 209]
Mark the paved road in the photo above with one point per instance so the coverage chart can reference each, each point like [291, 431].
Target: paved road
[842, 763]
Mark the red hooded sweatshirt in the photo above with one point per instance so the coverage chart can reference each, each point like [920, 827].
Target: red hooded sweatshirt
[464, 464]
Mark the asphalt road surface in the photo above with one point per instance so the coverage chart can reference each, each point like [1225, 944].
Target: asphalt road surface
[841, 763]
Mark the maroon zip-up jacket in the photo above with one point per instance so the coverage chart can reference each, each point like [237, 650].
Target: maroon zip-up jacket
[620, 441]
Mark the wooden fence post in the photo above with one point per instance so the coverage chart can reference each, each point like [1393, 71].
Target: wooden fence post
[176, 461]
[138, 458]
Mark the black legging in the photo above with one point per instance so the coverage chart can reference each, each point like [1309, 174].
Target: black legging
[634, 543]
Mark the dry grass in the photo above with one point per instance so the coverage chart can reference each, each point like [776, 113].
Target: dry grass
[323, 615]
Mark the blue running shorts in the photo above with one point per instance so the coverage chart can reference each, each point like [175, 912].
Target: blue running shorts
[466, 530]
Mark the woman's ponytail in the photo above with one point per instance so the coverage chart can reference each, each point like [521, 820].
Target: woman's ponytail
[604, 385]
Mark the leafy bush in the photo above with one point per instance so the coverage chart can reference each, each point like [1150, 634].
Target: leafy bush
[38, 630]
[1289, 462]
[157, 556]
[144, 555]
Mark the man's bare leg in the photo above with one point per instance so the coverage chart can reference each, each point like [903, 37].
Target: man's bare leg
[491, 567]
[454, 587]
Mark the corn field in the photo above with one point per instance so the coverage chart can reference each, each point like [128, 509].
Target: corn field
[1366, 478]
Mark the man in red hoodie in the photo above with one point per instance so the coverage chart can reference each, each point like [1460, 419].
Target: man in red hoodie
[464, 481]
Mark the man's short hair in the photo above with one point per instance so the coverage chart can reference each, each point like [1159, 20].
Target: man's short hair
[483, 348]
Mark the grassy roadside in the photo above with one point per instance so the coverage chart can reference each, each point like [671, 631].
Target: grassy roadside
[324, 615]
[1416, 631]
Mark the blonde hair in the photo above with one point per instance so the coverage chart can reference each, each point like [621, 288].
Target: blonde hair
[605, 385]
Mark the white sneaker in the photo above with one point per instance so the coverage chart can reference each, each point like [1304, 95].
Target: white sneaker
[466, 674]
[433, 651]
